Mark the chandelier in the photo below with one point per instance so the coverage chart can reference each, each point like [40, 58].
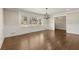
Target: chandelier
[46, 16]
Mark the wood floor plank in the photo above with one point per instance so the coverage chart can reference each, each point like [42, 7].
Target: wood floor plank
[43, 40]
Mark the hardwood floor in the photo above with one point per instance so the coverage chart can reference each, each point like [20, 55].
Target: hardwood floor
[43, 40]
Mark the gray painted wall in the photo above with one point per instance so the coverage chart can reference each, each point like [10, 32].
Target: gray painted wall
[1, 27]
[12, 26]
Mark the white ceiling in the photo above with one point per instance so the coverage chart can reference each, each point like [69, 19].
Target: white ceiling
[50, 10]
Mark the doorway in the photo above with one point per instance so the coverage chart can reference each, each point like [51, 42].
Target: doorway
[60, 23]
[60, 30]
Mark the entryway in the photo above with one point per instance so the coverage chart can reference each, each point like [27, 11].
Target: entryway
[60, 23]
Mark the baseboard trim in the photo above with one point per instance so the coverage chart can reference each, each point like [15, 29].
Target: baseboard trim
[25, 34]
[73, 34]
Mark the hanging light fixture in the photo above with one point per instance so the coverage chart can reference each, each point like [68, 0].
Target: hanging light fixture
[46, 16]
